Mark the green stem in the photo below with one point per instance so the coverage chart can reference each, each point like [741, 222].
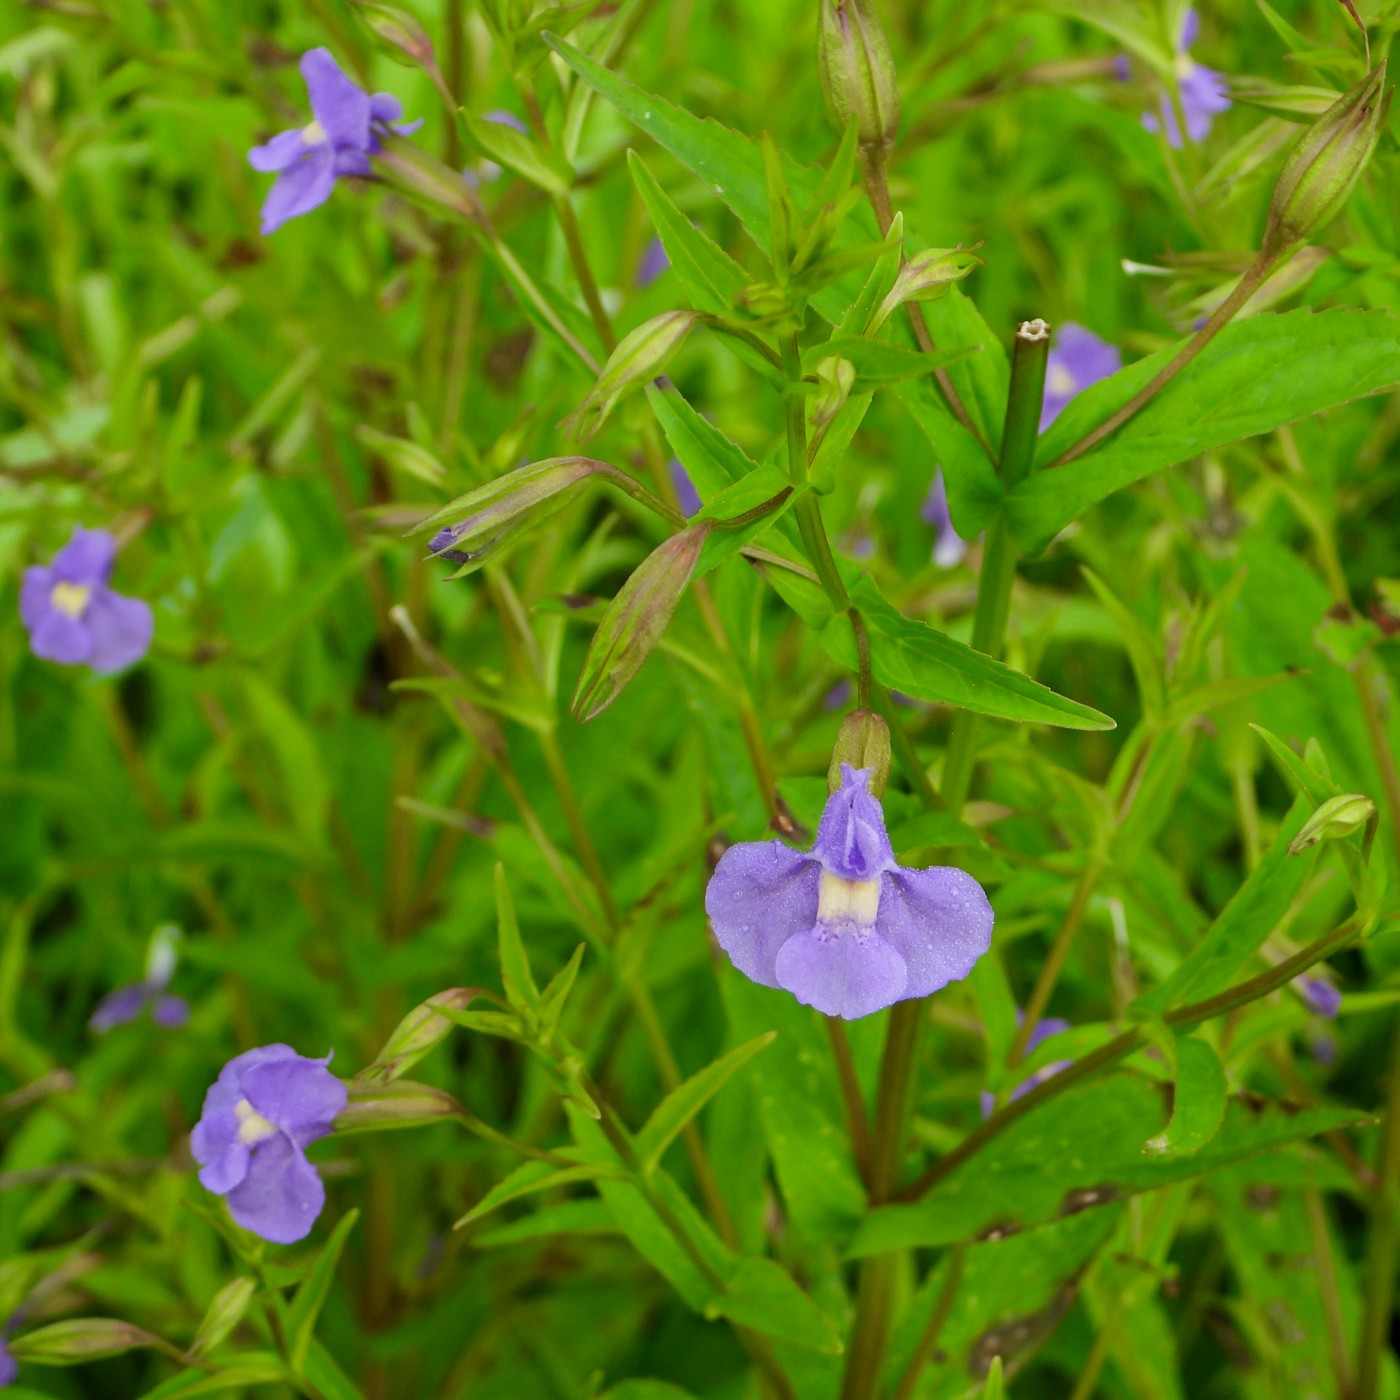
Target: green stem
[1254, 277]
[856, 1121]
[942, 1306]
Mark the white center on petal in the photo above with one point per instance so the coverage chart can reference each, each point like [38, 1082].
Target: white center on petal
[847, 901]
[312, 134]
[1184, 67]
[1060, 382]
[71, 598]
[253, 1128]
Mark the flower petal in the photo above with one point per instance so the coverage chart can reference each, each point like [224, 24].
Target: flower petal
[281, 1196]
[223, 1156]
[118, 1007]
[87, 557]
[847, 972]
[121, 630]
[284, 150]
[1190, 31]
[299, 1095]
[36, 595]
[348, 162]
[761, 894]
[385, 107]
[227, 1089]
[170, 1012]
[938, 920]
[61, 638]
[337, 102]
[851, 838]
[300, 188]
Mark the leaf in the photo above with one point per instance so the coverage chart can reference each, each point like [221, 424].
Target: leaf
[1138, 642]
[799, 1110]
[921, 661]
[1255, 376]
[1245, 922]
[762, 1295]
[541, 165]
[327, 1377]
[710, 459]
[251, 1368]
[585, 1217]
[526, 1180]
[876, 362]
[310, 1297]
[687, 1099]
[516, 977]
[1080, 1149]
[1314, 785]
[1198, 1102]
[711, 277]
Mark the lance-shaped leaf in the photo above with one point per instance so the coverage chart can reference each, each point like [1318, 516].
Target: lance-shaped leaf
[311, 1296]
[418, 1034]
[475, 526]
[516, 977]
[515, 150]
[1198, 1097]
[636, 619]
[639, 357]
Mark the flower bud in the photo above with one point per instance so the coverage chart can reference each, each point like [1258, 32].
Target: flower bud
[416, 172]
[1322, 169]
[225, 1313]
[400, 34]
[858, 79]
[374, 1108]
[80, 1339]
[475, 526]
[927, 276]
[1335, 820]
[835, 379]
[636, 619]
[863, 741]
[639, 357]
[419, 1033]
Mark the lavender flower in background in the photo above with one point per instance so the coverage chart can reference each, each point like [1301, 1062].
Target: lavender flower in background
[485, 170]
[262, 1113]
[1203, 94]
[652, 263]
[948, 546]
[74, 618]
[686, 493]
[127, 1003]
[344, 133]
[9, 1367]
[844, 928]
[1051, 1025]
[1077, 359]
[1319, 995]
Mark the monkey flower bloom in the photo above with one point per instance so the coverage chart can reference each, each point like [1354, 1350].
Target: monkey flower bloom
[127, 1003]
[266, 1107]
[339, 140]
[843, 927]
[1077, 359]
[71, 614]
[1051, 1025]
[1202, 89]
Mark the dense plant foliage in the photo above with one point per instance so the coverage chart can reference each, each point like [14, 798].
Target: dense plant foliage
[768, 629]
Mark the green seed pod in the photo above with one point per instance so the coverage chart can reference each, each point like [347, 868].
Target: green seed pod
[863, 741]
[858, 79]
[418, 1034]
[399, 33]
[1322, 169]
[1336, 819]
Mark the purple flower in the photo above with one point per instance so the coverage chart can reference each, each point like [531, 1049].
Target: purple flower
[9, 1367]
[1079, 358]
[266, 1107]
[844, 928]
[948, 546]
[344, 133]
[1320, 995]
[71, 614]
[1202, 90]
[652, 263]
[127, 1003]
[686, 493]
[1051, 1025]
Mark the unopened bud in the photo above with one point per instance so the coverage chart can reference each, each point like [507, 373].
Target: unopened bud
[1322, 169]
[399, 33]
[375, 1108]
[416, 172]
[80, 1339]
[1335, 820]
[835, 379]
[927, 276]
[475, 526]
[858, 79]
[639, 357]
[225, 1313]
[636, 619]
[863, 741]
[419, 1033]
